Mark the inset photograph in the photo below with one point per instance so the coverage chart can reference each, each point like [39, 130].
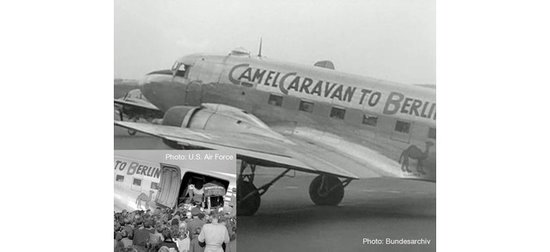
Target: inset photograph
[174, 200]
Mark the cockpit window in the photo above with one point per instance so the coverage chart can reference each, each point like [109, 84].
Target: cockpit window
[175, 66]
[179, 69]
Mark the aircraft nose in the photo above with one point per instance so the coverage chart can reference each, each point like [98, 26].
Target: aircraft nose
[144, 81]
[147, 84]
[150, 77]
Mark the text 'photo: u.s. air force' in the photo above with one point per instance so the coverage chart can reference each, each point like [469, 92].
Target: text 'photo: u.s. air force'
[325, 158]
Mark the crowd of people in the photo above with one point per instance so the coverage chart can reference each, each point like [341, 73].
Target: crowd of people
[173, 230]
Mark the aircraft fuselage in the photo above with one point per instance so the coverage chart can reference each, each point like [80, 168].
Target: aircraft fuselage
[338, 109]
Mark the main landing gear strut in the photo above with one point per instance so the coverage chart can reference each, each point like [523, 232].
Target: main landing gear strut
[324, 190]
[131, 132]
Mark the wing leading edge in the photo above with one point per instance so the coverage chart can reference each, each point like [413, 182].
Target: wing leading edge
[267, 151]
[142, 105]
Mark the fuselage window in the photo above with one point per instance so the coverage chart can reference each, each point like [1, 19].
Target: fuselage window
[306, 106]
[119, 178]
[370, 120]
[154, 185]
[275, 100]
[431, 133]
[402, 127]
[137, 182]
[337, 113]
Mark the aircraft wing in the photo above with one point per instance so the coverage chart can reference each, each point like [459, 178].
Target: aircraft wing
[362, 160]
[137, 104]
[300, 156]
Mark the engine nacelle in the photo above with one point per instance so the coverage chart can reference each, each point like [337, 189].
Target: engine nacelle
[218, 118]
[176, 116]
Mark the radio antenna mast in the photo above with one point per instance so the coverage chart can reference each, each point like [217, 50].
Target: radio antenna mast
[260, 50]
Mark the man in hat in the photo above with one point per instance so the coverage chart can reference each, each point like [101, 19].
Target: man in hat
[198, 194]
[214, 235]
[195, 223]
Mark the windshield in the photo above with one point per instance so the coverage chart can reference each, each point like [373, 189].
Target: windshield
[179, 69]
[175, 66]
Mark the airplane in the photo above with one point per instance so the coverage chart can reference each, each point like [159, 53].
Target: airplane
[135, 106]
[145, 180]
[277, 114]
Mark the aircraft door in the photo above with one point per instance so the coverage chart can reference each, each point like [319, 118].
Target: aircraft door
[170, 180]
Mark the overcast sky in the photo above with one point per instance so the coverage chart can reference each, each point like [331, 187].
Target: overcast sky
[387, 39]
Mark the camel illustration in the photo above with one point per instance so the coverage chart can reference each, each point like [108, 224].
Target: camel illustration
[144, 198]
[415, 153]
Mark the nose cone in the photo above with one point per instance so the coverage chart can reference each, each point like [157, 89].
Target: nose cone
[146, 87]
[150, 81]
[163, 89]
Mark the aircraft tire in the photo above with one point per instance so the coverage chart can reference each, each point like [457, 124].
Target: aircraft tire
[249, 206]
[331, 198]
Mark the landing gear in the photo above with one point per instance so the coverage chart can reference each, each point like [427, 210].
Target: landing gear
[248, 196]
[131, 132]
[120, 114]
[327, 190]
